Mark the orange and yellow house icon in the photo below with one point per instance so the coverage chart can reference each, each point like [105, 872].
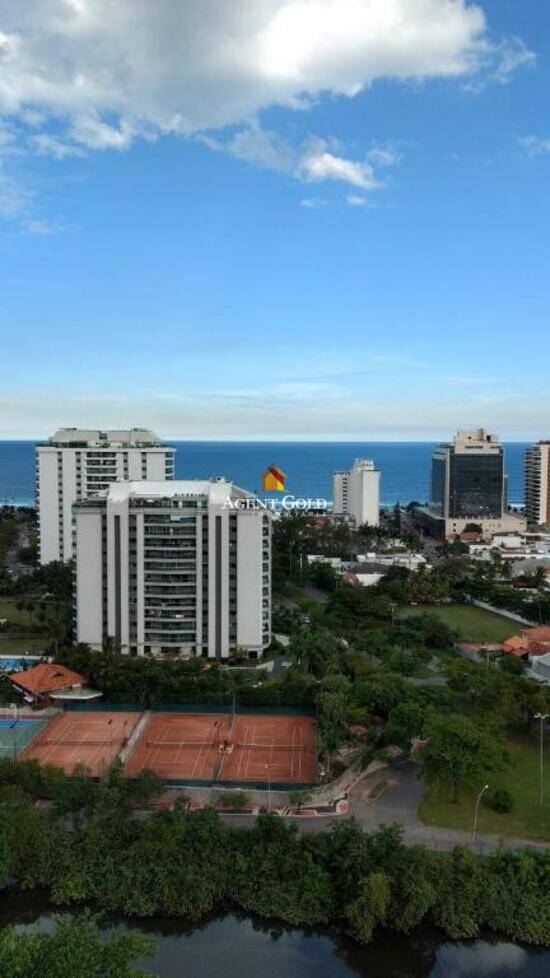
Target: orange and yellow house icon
[273, 478]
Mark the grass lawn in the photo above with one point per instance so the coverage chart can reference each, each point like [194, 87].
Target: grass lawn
[521, 778]
[18, 617]
[18, 644]
[473, 624]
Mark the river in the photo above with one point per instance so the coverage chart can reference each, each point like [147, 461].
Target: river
[231, 946]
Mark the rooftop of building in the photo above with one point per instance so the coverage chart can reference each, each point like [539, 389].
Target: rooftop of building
[46, 677]
[472, 440]
[358, 463]
[213, 490]
[92, 437]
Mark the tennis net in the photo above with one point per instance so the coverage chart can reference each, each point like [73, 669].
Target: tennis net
[174, 744]
[52, 742]
[248, 746]
[240, 745]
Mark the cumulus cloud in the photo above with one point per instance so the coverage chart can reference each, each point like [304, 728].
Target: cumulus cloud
[356, 200]
[319, 164]
[114, 70]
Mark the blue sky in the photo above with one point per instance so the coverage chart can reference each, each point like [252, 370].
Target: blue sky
[277, 219]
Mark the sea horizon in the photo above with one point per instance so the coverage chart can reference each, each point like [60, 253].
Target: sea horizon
[308, 465]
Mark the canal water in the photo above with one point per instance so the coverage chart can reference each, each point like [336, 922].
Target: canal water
[231, 946]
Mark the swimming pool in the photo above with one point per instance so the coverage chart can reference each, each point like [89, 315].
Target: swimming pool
[10, 723]
[13, 663]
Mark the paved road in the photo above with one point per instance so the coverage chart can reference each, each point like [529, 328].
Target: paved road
[399, 804]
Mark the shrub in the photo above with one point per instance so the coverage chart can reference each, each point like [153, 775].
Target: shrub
[500, 801]
[299, 798]
[234, 799]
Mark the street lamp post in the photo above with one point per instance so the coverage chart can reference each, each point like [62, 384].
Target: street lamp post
[542, 717]
[479, 797]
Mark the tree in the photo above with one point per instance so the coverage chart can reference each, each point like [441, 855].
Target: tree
[407, 720]
[484, 689]
[332, 714]
[460, 753]
[316, 651]
[75, 948]
[370, 908]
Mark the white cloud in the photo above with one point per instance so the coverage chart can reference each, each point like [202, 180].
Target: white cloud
[312, 202]
[512, 54]
[501, 63]
[535, 145]
[90, 131]
[14, 197]
[47, 145]
[383, 156]
[318, 164]
[312, 162]
[355, 200]
[40, 227]
[255, 145]
[112, 70]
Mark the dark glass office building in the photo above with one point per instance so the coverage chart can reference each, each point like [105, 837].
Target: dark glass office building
[467, 478]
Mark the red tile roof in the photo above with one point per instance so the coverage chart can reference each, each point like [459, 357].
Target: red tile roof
[46, 677]
[516, 645]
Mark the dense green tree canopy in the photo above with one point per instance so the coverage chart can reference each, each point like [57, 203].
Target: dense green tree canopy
[460, 753]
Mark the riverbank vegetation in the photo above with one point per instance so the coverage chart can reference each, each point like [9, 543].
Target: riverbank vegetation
[74, 949]
[87, 847]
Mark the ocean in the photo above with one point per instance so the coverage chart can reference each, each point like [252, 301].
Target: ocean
[405, 466]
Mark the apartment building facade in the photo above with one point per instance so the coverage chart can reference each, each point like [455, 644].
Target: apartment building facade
[75, 464]
[180, 568]
[537, 484]
[356, 493]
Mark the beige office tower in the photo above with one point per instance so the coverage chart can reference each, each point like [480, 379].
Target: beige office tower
[174, 568]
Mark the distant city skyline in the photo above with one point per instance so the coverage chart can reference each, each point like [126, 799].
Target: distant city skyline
[336, 239]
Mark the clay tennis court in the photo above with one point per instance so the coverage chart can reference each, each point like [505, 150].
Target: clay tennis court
[93, 740]
[217, 747]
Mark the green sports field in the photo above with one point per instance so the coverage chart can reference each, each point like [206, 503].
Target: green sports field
[472, 624]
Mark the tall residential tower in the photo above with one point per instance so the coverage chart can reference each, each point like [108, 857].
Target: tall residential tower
[537, 484]
[75, 464]
[356, 494]
[182, 568]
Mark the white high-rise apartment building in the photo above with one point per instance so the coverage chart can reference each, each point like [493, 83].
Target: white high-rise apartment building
[182, 568]
[537, 484]
[356, 494]
[75, 464]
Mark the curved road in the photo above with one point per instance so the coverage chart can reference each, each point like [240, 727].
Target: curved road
[400, 804]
